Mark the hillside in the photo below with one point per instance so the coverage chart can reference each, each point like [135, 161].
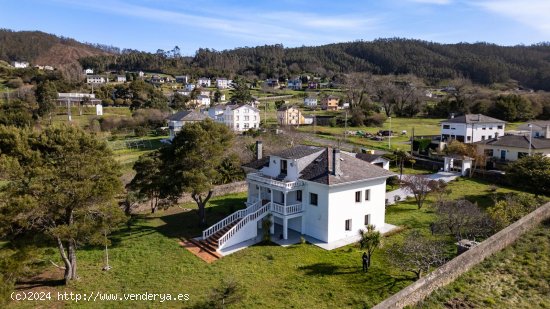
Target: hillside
[44, 49]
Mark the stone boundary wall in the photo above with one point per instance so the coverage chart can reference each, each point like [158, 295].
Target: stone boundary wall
[447, 273]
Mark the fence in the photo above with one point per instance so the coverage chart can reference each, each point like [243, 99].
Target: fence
[464, 262]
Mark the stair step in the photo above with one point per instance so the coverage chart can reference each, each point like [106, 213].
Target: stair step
[207, 248]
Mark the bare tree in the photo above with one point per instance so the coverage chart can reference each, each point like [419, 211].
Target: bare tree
[462, 219]
[419, 186]
[418, 254]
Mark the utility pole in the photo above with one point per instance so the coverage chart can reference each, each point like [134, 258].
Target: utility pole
[389, 136]
[346, 126]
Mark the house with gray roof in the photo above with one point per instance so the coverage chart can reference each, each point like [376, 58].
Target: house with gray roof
[181, 118]
[514, 147]
[471, 128]
[321, 193]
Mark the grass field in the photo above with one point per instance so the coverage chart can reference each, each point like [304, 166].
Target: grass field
[146, 257]
[517, 277]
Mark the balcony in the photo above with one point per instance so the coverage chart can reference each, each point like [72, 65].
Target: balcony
[286, 209]
[274, 182]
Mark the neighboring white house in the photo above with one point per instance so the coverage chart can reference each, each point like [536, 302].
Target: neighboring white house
[223, 83]
[141, 74]
[295, 84]
[203, 101]
[95, 79]
[179, 119]
[182, 79]
[88, 71]
[317, 192]
[471, 128]
[513, 147]
[540, 128]
[121, 78]
[184, 92]
[310, 102]
[376, 159]
[20, 64]
[190, 87]
[240, 118]
[203, 82]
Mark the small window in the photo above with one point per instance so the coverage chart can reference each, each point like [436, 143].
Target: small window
[468, 138]
[313, 199]
[299, 195]
[358, 196]
[499, 127]
[367, 220]
[446, 126]
[367, 195]
[483, 137]
[348, 225]
[484, 128]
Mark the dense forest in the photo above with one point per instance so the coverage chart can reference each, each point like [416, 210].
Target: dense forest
[483, 63]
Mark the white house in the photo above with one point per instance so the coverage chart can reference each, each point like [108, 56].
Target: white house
[88, 71]
[311, 102]
[190, 87]
[182, 79]
[540, 128]
[203, 82]
[471, 128]
[513, 147]
[121, 78]
[184, 92]
[95, 79]
[20, 64]
[223, 83]
[295, 84]
[179, 119]
[320, 193]
[240, 118]
[203, 100]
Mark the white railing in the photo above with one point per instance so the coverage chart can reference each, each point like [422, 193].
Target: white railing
[250, 217]
[267, 180]
[230, 219]
[286, 210]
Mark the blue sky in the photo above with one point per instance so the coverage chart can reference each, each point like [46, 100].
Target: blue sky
[152, 24]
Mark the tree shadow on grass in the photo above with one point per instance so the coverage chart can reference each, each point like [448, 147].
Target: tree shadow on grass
[325, 269]
[387, 283]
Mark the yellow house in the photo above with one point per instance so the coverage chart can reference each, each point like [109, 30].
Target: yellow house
[289, 116]
[330, 103]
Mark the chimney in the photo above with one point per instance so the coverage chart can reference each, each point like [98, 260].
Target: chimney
[336, 171]
[547, 133]
[259, 150]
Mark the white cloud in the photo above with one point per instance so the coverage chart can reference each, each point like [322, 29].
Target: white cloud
[533, 13]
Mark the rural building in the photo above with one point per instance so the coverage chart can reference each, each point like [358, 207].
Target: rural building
[295, 84]
[330, 103]
[223, 83]
[182, 79]
[320, 193]
[121, 78]
[471, 128]
[202, 101]
[272, 83]
[513, 147]
[203, 82]
[289, 116]
[311, 102]
[88, 71]
[216, 112]
[20, 64]
[95, 79]
[241, 118]
[179, 119]
[190, 87]
[540, 128]
[77, 98]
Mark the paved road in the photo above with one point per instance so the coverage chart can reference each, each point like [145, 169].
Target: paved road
[445, 176]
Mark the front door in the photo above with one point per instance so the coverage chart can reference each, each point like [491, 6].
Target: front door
[503, 154]
[283, 167]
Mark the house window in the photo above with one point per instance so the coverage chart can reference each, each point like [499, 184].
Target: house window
[237, 125]
[483, 137]
[358, 196]
[284, 167]
[246, 125]
[237, 117]
[246, 118]
[499, 127]
[367, 195]
[446, 126]
[367, 219]
[299, 195]
[348, 225]
[313, 199]
[490, 136]
[468, 138]
[484, 128]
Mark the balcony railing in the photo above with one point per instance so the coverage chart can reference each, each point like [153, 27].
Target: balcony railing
[286, 210]
[259, 177]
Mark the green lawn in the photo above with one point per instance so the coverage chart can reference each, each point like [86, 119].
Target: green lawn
[146, 257]
[517, 277]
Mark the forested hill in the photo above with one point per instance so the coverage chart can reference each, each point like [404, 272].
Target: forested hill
[483, 63]
[46, 49]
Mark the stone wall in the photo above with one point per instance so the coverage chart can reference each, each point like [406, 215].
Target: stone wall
[447, 273]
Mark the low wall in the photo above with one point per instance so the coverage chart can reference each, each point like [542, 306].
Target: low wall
[447, 273]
